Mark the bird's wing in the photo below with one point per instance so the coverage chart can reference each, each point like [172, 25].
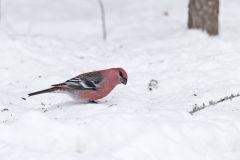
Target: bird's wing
[87, 81]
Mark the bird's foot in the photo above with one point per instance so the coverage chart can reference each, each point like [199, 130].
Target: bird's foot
[94, 102]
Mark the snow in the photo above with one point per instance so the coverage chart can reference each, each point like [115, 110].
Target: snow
[46, 42]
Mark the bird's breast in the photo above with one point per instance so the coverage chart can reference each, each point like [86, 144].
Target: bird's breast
[95, 95]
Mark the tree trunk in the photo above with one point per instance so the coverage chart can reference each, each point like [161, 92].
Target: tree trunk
[203, 14]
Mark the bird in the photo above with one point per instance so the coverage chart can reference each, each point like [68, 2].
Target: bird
[89, 86]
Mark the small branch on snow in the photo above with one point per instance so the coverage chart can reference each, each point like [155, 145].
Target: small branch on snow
[104, 30]
[197, 108]
[4, 110]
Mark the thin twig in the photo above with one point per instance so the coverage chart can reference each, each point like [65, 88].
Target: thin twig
[0, 12]
[104, 30]
[197, 108]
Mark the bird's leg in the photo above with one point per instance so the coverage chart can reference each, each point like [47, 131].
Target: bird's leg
[95, 102]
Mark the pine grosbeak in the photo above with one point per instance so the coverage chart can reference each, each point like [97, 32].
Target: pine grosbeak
[89, 86]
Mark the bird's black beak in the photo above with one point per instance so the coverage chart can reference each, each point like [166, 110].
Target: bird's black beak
[123, 80]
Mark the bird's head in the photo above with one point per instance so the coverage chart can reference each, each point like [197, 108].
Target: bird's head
[122, 75]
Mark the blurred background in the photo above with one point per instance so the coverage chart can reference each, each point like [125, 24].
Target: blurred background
[79, 20]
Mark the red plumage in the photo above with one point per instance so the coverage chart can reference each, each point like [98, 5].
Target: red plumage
[90, 86]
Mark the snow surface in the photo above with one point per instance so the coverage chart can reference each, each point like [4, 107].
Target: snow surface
[45, 42]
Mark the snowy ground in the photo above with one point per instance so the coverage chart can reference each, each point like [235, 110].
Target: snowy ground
[45, 42]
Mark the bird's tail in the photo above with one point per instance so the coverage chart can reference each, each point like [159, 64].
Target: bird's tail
[44, 91]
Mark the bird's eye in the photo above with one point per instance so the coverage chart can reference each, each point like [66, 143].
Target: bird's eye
[120, 73]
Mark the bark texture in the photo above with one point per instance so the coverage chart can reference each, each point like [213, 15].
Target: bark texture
[203, 14]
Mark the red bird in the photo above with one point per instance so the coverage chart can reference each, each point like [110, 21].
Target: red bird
[89, 86]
